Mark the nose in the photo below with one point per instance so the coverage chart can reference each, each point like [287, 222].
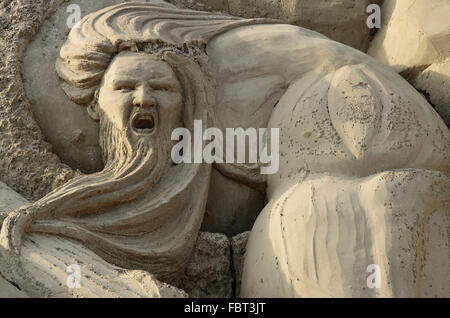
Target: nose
[143, 97]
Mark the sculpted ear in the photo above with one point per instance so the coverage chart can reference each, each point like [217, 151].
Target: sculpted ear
[92, 109]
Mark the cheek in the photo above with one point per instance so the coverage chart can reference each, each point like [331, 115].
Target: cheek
[171, 107]
[115, 106]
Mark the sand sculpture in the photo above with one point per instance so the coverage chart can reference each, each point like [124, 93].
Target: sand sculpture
[363, 177]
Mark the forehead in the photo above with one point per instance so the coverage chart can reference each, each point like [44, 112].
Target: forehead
[131, 65]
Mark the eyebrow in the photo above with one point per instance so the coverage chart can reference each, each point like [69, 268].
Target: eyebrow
[163, 81]
[152, 82]
[122, 82]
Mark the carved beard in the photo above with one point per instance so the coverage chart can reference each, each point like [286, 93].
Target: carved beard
[133, 164]
[140, 212]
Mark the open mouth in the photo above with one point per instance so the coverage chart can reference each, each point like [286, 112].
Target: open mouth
[143, 123]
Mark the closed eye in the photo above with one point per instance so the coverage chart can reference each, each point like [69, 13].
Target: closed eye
[123, 85]
[124, 88]
[163, 88]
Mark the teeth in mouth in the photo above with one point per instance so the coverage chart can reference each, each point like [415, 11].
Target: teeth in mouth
[143, 123]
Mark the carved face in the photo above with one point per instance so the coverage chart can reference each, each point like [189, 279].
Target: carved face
[140, 93]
